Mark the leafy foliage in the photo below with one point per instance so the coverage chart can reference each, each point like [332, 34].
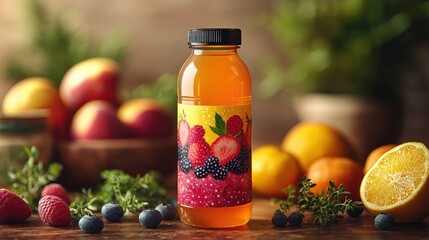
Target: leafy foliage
[133, 193]
[163, 90]
[30, 180]
[347, 47]
[54, 47]
[327, 207]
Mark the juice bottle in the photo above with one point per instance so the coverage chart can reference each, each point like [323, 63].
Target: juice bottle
[214, 132]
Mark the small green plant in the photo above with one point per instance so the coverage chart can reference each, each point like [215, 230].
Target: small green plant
[29, 181]
[326, 207]
[54, 47]
[353, 47]
[133, 193]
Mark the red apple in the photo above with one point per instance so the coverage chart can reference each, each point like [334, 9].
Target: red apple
[97, 120]
[146, 118]
[92, 79]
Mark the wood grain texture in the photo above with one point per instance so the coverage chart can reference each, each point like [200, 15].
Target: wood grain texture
[259, 227]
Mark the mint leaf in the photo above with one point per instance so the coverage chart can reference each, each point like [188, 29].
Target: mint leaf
[220, 126]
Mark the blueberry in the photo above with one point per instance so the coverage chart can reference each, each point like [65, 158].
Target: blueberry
[295, 219]
[384, 221]
[113, 212]
[91, 224]
[355, 211]
[279, 219]
[174, 203]
[168, 211]
[150, 218]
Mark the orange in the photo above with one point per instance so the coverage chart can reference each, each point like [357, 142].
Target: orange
[375, 154]
[398, 183]
[309, 141]
[340, 170]
[273, 170]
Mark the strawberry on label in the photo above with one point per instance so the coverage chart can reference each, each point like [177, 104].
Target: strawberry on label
[183, 133]
[12, 207]
[214, 156]
[198, 152]
[196, 134]
[234, 125]
[225, 148]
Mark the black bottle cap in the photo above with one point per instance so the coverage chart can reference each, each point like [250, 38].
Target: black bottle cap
[214, 36]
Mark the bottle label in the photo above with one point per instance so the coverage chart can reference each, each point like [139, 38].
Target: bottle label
[214, 155]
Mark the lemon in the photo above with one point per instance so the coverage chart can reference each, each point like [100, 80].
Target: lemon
[273, 170]
[398, 183]
[310, 141]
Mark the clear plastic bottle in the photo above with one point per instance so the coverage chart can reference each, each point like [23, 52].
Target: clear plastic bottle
[214, 132]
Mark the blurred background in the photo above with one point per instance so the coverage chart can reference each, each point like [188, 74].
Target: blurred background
[375, 50]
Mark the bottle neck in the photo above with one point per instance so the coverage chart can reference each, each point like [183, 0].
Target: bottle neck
[213, 49]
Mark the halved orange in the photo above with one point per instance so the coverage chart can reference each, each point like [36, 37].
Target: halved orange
[398, 183]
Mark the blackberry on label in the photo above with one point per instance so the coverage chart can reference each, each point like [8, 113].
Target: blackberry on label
[212, 164]
[185, 165]
[182, 152]
[201, 172]
[220, 173]
[235, 166]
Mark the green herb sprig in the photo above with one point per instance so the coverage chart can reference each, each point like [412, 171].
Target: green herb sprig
[133, 193]
[30, 180]
[326, 207]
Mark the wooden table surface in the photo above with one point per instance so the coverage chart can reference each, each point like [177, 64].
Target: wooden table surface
[259, 227]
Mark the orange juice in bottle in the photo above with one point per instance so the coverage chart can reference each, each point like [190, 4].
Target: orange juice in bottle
[214, 132]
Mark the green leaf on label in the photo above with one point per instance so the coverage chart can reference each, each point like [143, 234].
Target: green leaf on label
[220, 126]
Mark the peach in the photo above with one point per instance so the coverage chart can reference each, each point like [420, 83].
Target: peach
[38, 93]
[97, 119]
[146, 118]
[92, 79]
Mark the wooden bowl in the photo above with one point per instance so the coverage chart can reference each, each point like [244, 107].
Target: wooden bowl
[83, 160]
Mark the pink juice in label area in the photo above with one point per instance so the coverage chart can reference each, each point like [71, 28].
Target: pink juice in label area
[214, 132]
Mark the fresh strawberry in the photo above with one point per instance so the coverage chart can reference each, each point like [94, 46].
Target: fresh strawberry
[54, 211]
[56, 190]
[199, 152]
[196, 134]
[12, 207]
[225, 148]
[234, 124]
[183, 133]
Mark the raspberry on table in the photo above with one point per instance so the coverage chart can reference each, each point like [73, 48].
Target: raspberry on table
[12, 207]
[54, 211]
[56, 190]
